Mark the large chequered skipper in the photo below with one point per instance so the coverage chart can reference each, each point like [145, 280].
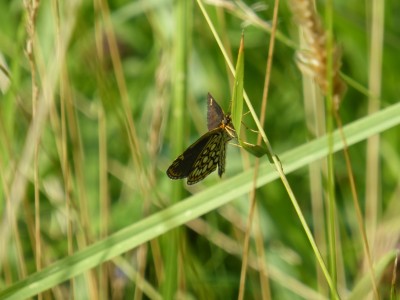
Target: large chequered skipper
[208, 152]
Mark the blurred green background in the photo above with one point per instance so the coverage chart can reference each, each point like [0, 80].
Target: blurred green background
[114, 91]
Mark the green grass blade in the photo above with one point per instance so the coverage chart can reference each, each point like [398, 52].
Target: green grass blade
[237, 98]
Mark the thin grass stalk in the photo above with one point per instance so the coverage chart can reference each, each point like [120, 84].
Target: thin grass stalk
[38, 242]
[331, 213]
[275, 160]
[104, 196]
[318, 63]
[322, 62]
[134, 143]
[12, 224]
[373, 143]
[264, 276]
[31, 12]
[315, 121]
[83, 236]
[82, 208]
[333, 98]
[154, 145]
[104, 269]
[62, 142]
[65, 166]
[360, 219]
[7, 171]
[5, 262]
[58, 127]
[183, 13]
[246, 241]
[225, 40]
[264, 282]
[142, 174]
[32, 9]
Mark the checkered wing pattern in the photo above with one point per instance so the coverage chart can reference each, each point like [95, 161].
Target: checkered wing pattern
[208, 152]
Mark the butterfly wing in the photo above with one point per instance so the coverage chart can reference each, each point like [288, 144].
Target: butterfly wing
[215, 114]
[208, 159]
[185, 163]
[221, 160]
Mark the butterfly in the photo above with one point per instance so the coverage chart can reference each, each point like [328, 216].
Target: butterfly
[209, 151]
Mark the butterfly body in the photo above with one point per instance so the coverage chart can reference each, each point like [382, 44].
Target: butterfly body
[208, 152]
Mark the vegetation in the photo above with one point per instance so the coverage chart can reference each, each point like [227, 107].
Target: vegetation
[98, 98]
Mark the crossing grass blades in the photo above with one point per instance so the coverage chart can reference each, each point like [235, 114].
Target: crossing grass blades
[209, 151]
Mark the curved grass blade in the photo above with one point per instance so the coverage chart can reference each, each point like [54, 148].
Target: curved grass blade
[237, 98]
[237, 105]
